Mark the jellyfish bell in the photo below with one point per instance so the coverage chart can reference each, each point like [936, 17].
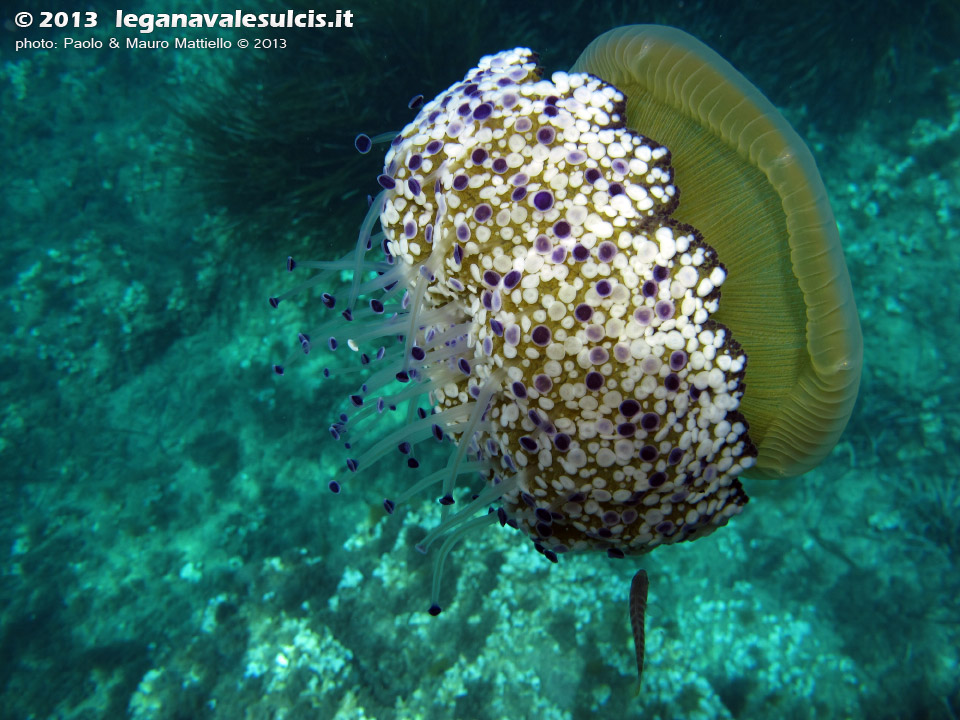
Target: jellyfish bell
[751, 186]
[546, 295]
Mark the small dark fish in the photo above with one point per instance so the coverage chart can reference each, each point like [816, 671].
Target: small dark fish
[638, 607]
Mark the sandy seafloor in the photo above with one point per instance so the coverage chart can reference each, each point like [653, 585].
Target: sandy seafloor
[169, 546]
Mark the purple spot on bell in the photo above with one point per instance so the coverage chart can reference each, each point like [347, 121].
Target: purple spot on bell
[434, 610]
[649, 453]
[491, 278]
[278, 369]
[519, 391]
[274, 303]
[478, 156]
[332, 343]
[352, 465]
[460, 182]
[583, 312]
[496, 327]
[658, 479]
[528, 443]
[418, 353]
[611, 517]
[607, 251]
[499, 166]
[580, 253]
[543, 245]
[518, 194]
[561, 229]
[575, 157]
[678, 358]
[446, 500]
[522, 124]
[519, 179]
[328, 300]
[615, 189]
[603, 288]
[594, 381]
[457, 254]
[546, 135]
[629, 408]
[675, 456]
[389, 506]
[376, 306]
[671, 382]
[562, 442]
[542, 383]
[409, 229]
[482, 111]
[482, 212]
[432, 147]
[362, 143]
[660, 273]
[291, 263]
[509, 100]
[550, 111]
[464, 366]
[511, 279]
[487, 346]
[386, 182]
[413, 463]
[591, 175]
[334, 486]
[558, 255]
[599, 355]
[464, 109]
[650, 421]
[415, 161]
[664, 309]
[541, 335]
[643, 315]
[665, 528]
[649, 288]
[543, 200]
[619, 166]
[534, 416]
[414, 186]
[512, 335]
[626, 429]
[415, 102]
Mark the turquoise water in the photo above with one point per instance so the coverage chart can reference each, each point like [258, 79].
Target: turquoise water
[170, 547]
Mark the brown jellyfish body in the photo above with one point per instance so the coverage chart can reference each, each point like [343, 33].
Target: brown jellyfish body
[751, 186]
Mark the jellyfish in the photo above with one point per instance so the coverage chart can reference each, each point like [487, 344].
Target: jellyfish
[610, 292]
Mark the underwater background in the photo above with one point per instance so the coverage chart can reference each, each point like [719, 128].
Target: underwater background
[169, 545]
